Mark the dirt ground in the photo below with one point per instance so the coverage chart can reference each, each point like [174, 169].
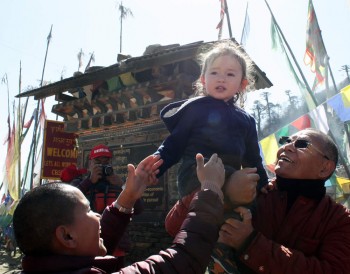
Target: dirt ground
[9, 264]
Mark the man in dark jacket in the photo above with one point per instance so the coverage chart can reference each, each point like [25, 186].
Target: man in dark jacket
[102, 185]
[297, 228]
[57, 240]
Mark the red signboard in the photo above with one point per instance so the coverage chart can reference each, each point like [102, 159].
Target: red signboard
[58, 150]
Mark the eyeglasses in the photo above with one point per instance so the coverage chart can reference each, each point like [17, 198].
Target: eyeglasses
[300, 143]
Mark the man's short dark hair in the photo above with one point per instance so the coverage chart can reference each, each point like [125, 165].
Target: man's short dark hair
[329, 148]
[38, 214]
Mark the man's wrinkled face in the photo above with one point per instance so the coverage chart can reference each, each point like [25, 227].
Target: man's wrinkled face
[301, 157]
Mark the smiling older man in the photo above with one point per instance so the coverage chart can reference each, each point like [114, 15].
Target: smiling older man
[297, 228]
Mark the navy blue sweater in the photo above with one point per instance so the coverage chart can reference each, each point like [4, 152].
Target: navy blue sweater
[207, 125]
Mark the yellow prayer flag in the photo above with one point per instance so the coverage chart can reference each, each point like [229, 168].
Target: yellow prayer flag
[13, 177]
[127, 79]
[269, 148]
[344, 183]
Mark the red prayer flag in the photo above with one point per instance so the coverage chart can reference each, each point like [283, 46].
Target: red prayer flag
[302, 122]
[42, 117]
[222, 15]
[29, 123]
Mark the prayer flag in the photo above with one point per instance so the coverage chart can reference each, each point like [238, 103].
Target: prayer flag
[269, 148]
[13, 179]
[49, 36]
[315, 54]
[29, 123]
[80, 58]
[319, 118]
[222, 16]
[344, 183]
[341, 104]
[42, 117]
[9, 130]
[345, 94]
[302, 122]
[277, 44]
[282, 132]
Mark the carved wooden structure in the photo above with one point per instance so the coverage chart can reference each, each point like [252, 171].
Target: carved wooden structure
[119, 106]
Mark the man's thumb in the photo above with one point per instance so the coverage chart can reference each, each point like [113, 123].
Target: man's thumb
[200, 161]
[250, 170]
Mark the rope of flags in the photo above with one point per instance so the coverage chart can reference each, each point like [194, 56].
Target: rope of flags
[316, 118]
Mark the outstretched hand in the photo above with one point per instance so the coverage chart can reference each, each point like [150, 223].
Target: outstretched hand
[144, 175]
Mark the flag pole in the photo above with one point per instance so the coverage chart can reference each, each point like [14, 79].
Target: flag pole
[19, 135]
[228, 19]
[8, 106]
[26, 104]
[5, 80]
[292, 54]
[25, 173]
[244, 26]
[92, 58]
[36, 123]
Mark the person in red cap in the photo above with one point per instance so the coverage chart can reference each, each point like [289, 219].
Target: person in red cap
[71, 172]
[102, 187]
[101, 176]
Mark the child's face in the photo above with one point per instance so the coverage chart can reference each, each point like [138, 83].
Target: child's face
[223, 78]
[86, 229]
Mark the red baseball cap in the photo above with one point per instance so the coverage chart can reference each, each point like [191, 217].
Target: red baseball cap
[71, 172]
[100, 151]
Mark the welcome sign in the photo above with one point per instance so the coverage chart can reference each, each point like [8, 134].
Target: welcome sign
[58, 150]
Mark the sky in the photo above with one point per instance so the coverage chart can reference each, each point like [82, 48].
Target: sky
[94, 26]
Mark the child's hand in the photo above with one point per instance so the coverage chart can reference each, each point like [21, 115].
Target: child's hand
[240, 187]
[268, 187]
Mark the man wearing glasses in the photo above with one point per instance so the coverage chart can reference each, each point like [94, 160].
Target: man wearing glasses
[296, 228]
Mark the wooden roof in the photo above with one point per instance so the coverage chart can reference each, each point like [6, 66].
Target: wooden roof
[133, 90]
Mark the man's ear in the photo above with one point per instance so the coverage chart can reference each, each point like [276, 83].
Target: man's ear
[65, 237]
[328, 167]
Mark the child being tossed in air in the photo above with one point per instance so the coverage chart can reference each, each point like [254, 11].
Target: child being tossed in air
[211, 122]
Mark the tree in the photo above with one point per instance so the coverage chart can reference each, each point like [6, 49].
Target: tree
[257, 113]
[268, 105]
[293, 100]
[124, 12]
[346, 68]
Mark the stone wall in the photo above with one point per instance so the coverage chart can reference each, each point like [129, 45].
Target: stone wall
[147, 239]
